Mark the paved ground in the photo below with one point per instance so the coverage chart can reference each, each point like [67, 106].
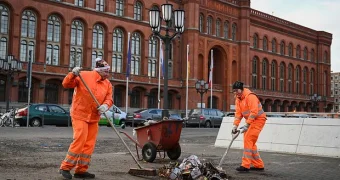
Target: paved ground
[36, 153]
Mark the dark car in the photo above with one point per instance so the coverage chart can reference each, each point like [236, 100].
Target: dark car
[205, 117]
[140, 116]
[47, 114]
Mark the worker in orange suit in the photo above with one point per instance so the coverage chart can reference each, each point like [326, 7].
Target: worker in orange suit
[85, 116]
[248, 106]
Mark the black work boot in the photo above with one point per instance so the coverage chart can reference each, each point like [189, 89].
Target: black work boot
[85, 175]
[256, 169]
[242, 169]
[66, 174]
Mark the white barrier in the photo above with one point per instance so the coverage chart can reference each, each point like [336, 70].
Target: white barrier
[310, 136]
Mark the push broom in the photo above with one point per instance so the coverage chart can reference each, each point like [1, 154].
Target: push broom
[140, 171]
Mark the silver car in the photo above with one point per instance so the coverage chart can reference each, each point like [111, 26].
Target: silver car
[142, 115]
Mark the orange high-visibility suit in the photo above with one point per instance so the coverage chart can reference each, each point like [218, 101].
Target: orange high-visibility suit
[249, 107]
[85, 117]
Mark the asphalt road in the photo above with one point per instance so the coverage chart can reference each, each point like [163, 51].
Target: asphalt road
[36, 153]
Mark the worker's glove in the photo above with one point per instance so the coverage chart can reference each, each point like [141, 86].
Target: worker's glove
[103, 108]
[76, 71]
[234, 130]
[244, 128]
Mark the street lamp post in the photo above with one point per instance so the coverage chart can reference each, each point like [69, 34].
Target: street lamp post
[315, 99]
[201, 87]
[155, 23]
[9, 66]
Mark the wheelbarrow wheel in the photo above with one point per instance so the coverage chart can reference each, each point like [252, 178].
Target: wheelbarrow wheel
[149, 152]
[174, 153]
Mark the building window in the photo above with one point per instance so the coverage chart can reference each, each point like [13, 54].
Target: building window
[226, 30]
[76, 53]
[53, 40]
[325, 57]
[264, 73]
[118, 97]
[311, 82]
[137, 14]
[135, 99]
[274, 45]
[234, 31]
[201, 23]
[304, 90]
[135, 53]
[119, 7]
[209, 25]
[117, 51]
[265, 44]
[290, 50]
[218, 28]
[100, 5]
[312, 55]
[28, 27]
[254, 72]
[325, 84]
[97, 43]
[2, 90]
[273, 76]
[297, 81]
[255, 41]
[298, 52]
[305, 54]
[51, 93]
[79, 3]
[4, 29]
[23, 91]
[152, 99]
[282, 48]
[153, 44]
[290, 78]
[282, 76]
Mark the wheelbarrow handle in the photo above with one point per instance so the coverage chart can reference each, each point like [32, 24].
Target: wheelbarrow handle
[113, 127]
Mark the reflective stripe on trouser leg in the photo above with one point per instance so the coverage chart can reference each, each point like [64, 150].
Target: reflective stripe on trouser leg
[85, 157]
[256, 161]
[250, 138]
[80, 130]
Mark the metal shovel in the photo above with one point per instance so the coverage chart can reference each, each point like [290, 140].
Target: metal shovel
[234, 136]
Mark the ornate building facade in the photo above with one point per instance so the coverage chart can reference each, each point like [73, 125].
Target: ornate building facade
[282, 62]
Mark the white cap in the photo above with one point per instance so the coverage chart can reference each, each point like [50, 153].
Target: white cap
[98, 59]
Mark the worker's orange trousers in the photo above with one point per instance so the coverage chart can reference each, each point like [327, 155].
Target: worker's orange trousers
[250, 153]
[81, 149]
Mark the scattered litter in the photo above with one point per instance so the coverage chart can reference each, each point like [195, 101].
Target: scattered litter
[191, 168]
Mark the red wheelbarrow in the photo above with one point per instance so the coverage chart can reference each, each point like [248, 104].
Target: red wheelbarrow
[162, 136]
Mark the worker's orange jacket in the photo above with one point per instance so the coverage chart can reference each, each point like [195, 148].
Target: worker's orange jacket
[83, 106]
[249, 107]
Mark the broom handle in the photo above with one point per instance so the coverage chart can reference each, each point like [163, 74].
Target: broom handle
[113, 127]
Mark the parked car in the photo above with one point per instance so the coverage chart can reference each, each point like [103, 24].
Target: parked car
[114, 110]
[140, 116]
[205, 117]
[49, 114]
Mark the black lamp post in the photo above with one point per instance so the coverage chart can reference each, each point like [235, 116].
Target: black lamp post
[155, 23]
[201, 87]
[315, 99]
[10, 66]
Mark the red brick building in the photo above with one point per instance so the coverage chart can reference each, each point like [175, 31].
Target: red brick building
[283, 62]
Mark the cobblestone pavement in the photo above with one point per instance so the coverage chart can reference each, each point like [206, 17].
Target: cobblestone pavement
[36, 153]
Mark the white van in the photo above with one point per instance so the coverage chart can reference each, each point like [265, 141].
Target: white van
[111, 113]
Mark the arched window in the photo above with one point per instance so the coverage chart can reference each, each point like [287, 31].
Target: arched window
[51, 93]
[282, 48]
[297, 79]
[290, 78]
[290, 50]
[28, 28]
[273, 76]
[209, 25]
[100, 5]
[2, 89]
[201, 25]
[264, 73]
[255, 41]
[79, 3]
[218, 28]
[298, 52]
[137, 14]
[119, 7]
[234, 31]
[135, 99]
[312, 55]
[226, 30]
[153, 44]
[53, 40]
[97, 43]
[274, 45]
[254, 72]
[304, 90]
[305, 54]
[77, 34]
[311, 81]
[282, 77]
[152, 99]
[4, 29]
[118, 96]
[325, 57]
[265, 43]
[117, 51]
[23, 91]
[135, 53]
